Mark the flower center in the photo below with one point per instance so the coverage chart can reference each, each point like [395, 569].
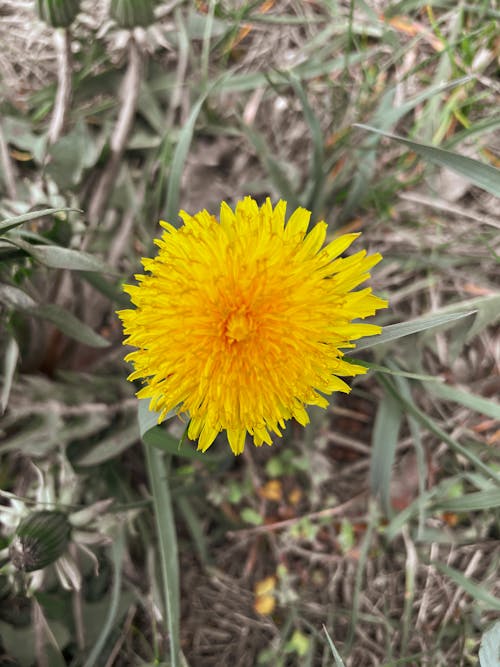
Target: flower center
[239, 326]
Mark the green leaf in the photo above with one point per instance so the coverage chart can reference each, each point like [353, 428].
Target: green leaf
[489, 651]
[69, 324]
[15, 297]
[10, 223]
[154, 435]
[71, 155]
[57, 257]
[111, 291]
[483, 175]
[476, 591]
[165, 528]
[402, 518]
[384, 441]
[195, 526]
[394, 331]
[18, 132]
[336, 655]
[430, 424]
[378, 368]
[251, 516]
[386, 115]
[148, 419]
[477, 403]
[317, 168]
[470, 502]
[273, 166]
[308, 69]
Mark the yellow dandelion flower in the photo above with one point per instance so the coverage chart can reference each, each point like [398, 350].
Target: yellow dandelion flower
[240, 323]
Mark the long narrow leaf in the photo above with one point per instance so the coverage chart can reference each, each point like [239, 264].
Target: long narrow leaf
[384, 440]
[430, 424]
[57, 257]
[69, 324]
[179, 159]
[384, 118]
[167, 542]
[11, 223]
[404, 388]
[394, 331]
[154, 435]
[378, 368]
[477, 403]
[336, 655]
[476, 591]
[483, 175]
[470, 502]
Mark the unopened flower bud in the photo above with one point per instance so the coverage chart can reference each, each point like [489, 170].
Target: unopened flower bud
[58, 13]
[132, 13]
[40, 539]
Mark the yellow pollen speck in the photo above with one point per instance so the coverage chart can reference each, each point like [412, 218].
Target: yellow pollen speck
[241, 323]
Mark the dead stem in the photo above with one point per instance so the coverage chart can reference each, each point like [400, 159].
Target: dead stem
[277, 525]
[128, 99]
[8, 168]
[62, 40]
[77, 607]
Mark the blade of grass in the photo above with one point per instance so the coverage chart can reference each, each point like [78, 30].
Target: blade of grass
[429, 423]
[306, 70]
[10, 223]
[384, 441]
[396, 525]
[336, 655]
[272, 166]
[394, 331]
[317, 170]
[195, 528]
[483, 175]
[180, 155]
[358, 582]
[205, 48]
[167, 543]
[69, 324]
[411, 567]
[470, 502]
[404, 387]
[385, 117]
[476, 403]
[57, 257]
[479, 593]
[378, 368]
[154, 435]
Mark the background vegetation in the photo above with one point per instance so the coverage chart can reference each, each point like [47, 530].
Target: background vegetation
[371, 536]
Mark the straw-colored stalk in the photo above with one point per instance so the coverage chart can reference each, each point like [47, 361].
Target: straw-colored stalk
[128, 103]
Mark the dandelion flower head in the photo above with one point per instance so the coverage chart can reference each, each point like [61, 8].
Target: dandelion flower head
[240, 322]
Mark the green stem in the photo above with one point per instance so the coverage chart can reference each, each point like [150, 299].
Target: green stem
[165, 525]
